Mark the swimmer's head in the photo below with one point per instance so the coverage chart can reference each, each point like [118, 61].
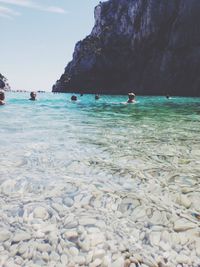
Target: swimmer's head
[131, 96]
[97, 97]
[74, 98]
[2, 95]
[33, 95]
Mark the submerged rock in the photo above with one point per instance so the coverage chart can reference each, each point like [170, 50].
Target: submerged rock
[150, 46]
[4, 235]
[41, 213]
[184, 201]
[21, 236]
[183, 225]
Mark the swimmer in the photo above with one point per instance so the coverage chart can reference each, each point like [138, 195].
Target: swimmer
[2, 98]
[74, 98]
[33, 96]
[97, 97]
[131, 98]
[167, 96]
[81, 94]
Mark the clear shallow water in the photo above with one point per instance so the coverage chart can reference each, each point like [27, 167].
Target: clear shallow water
[103, 154]
[47, 137]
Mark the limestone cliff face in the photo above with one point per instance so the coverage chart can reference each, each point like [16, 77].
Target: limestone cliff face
[4, 83]
[151, 47]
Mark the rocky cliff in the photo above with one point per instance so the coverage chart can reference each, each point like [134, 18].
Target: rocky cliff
[4, 83]
[151, 47]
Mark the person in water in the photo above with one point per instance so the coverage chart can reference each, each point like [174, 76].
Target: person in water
[74, 98]
[97, 97]
[167, 96]
[33, 96]
[2, 98]
[131, 98]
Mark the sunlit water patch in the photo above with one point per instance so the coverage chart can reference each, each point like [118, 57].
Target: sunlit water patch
[95, 183]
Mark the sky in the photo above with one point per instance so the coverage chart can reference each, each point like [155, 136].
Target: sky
[38, 39]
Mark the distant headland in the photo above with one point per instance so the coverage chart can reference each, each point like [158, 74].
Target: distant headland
[151, 47]
[4, 83]
[6, 87]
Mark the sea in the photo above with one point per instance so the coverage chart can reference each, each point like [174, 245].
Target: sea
[102, 163]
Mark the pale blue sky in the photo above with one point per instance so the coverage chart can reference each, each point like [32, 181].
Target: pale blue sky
[38, 39]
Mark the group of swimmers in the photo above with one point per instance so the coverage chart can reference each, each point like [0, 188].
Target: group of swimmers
[74, 97]
[131, 97]
[33, 97]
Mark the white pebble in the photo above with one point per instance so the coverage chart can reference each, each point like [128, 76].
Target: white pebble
[68, 202]
[85, 244]
[21, 236]
[184, 201]
[55, 256]
[96, 239]
[41, 213]
[22, 248]
[79, 260]
[64, 259]
[73, 251]
[93, 230]
[59, 208]
[96, 263]
[99, 254]
[71, 234]
[155, 238]
[106, 261]
[43, 247]
[89, 257]
[45, 256]
[87, 221]
[183, 259]
[183, 225]
[4, 235]
[118, 263]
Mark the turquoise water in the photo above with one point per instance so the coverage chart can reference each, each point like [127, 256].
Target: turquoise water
[124, 165]
[93, 140]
